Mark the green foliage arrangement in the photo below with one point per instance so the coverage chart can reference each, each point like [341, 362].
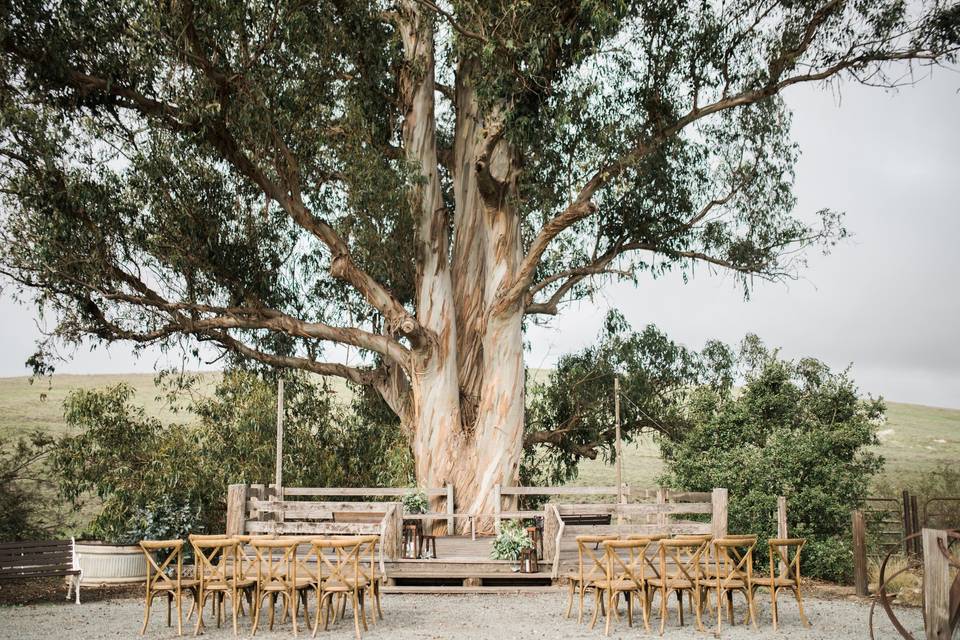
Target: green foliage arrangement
[510, 542]
[415, 501]
[152, 478]
[795, 429]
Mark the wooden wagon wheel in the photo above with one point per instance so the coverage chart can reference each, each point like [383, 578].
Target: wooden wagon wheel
[913, 563]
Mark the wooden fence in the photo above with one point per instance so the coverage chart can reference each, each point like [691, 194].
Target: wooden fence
[254, 509]
[663, 515]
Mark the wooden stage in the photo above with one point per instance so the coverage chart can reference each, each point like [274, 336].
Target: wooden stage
[463, 564]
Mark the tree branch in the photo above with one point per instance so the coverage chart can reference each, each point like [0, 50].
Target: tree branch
[581, 207]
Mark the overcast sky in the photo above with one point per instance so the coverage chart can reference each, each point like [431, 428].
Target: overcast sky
[888, 300]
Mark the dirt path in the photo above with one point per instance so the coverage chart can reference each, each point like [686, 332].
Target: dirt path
[409, 617]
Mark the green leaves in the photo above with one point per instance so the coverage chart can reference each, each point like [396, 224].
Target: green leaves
[150, 477]
[571, 415]
[795, 429]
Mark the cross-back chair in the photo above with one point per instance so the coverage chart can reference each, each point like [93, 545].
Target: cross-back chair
[276, 577]
[679, 572]
[165, 557]
[339, 574]
[733, 571]
[369, 569]
[245, 571]
[626, 562]
[788, 551]
[215, 560]
[590, 568]
[704, 567]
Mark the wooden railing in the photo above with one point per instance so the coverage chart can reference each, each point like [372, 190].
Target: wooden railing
[500, 491]
[261, 509]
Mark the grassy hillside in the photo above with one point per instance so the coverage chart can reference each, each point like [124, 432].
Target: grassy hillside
[915, 438]
[25, 406]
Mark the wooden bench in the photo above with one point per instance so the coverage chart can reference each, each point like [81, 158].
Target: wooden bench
[586, 518]
[41, 559]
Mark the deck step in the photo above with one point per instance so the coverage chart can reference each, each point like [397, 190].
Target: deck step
[467, 573]
[457, 589]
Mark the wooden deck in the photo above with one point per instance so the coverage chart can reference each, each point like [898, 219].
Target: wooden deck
[463, 564]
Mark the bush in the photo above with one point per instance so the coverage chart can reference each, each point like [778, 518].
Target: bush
[797, 430]
[27, 508]
[157, 480]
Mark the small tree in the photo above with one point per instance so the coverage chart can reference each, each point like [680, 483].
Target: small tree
[796, 429]
[571, 414]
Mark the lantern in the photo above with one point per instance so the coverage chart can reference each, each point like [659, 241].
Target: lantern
[528, 561]
[410, 546]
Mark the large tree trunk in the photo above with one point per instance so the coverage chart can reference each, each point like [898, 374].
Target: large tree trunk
[467, 378]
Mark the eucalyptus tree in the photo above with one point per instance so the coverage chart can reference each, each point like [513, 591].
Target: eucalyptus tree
[412, 180]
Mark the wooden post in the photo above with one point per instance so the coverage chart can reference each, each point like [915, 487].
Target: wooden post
[550, 525]
[661, 516]
[278, 472]
[860, 554]
[936, 586]
[236, 509]
[719, 517]
[782, 532]
[917, 526]
[619, 449]
[496, 509]
[908, 546]
[451, 521]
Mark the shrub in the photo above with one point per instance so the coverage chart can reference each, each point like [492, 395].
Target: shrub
[796, 429]
[27, 507]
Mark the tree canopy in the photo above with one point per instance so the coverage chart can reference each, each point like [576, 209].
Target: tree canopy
[236, 172]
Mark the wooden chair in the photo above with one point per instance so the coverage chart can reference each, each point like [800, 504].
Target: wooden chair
[339, 575]
[788, 550]
[369, 570]
[625, 562]
[733, 571]
[590, 568]
[162, 556]
[245, 570]
[680, 575]
[276, 576]
[705, 567]
[216, 559]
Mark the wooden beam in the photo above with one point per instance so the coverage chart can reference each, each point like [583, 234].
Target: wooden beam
[278, 470]
[451, 521]
[858, 526]
[718, 520]
[619, 449]
[236, 509]
[558, 491]
[313, 528]
[936, 585]
[370, 492]
[496, 508]
[782, 532]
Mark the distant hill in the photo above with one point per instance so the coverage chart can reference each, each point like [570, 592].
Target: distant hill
[915, 438]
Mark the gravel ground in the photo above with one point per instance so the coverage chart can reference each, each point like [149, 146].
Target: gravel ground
[408, 617]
